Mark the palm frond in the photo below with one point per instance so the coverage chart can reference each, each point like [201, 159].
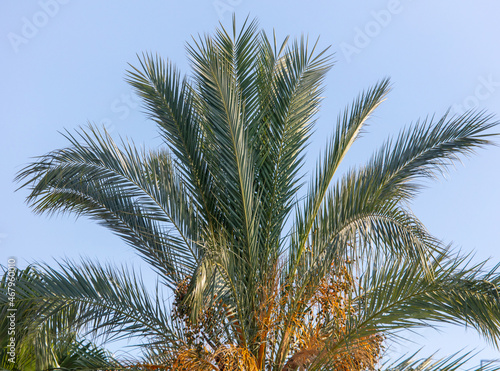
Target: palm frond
[101, 300]
[290, 87]
[50, 345]
[397, 294]
[170, 103]
[138, 196]
[426, 150]
[349, 126]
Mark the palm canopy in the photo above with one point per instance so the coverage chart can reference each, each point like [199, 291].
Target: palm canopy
[262, 279]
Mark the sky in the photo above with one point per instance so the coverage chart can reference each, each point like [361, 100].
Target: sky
[63, 64]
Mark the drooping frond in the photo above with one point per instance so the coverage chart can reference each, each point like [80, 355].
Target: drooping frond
[45, 345]
[138, 196]
[100, 300]
[397, 295]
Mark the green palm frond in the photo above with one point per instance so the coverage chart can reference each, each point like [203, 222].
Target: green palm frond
[170, 103]
[397, 294]
[48, 345]
[349, 125]
[101, 300]
[426, 150]
[138, 196]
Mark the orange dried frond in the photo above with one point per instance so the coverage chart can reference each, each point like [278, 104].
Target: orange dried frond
[233, 358]
[226, 357]
[361, 354]
[314, 336]
[146, 366]
[193, 360]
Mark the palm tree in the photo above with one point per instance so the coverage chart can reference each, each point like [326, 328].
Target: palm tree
[265, 274]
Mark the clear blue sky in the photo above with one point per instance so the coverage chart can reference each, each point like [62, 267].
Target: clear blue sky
[63, 62]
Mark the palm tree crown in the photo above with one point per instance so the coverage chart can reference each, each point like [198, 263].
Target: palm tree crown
[262, 279]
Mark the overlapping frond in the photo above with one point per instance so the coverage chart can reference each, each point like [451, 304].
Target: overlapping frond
[138, 196]
[290, 87]
[169, 101]
[45, 345]
[348, 128]
[100, 300]
[397, 294]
